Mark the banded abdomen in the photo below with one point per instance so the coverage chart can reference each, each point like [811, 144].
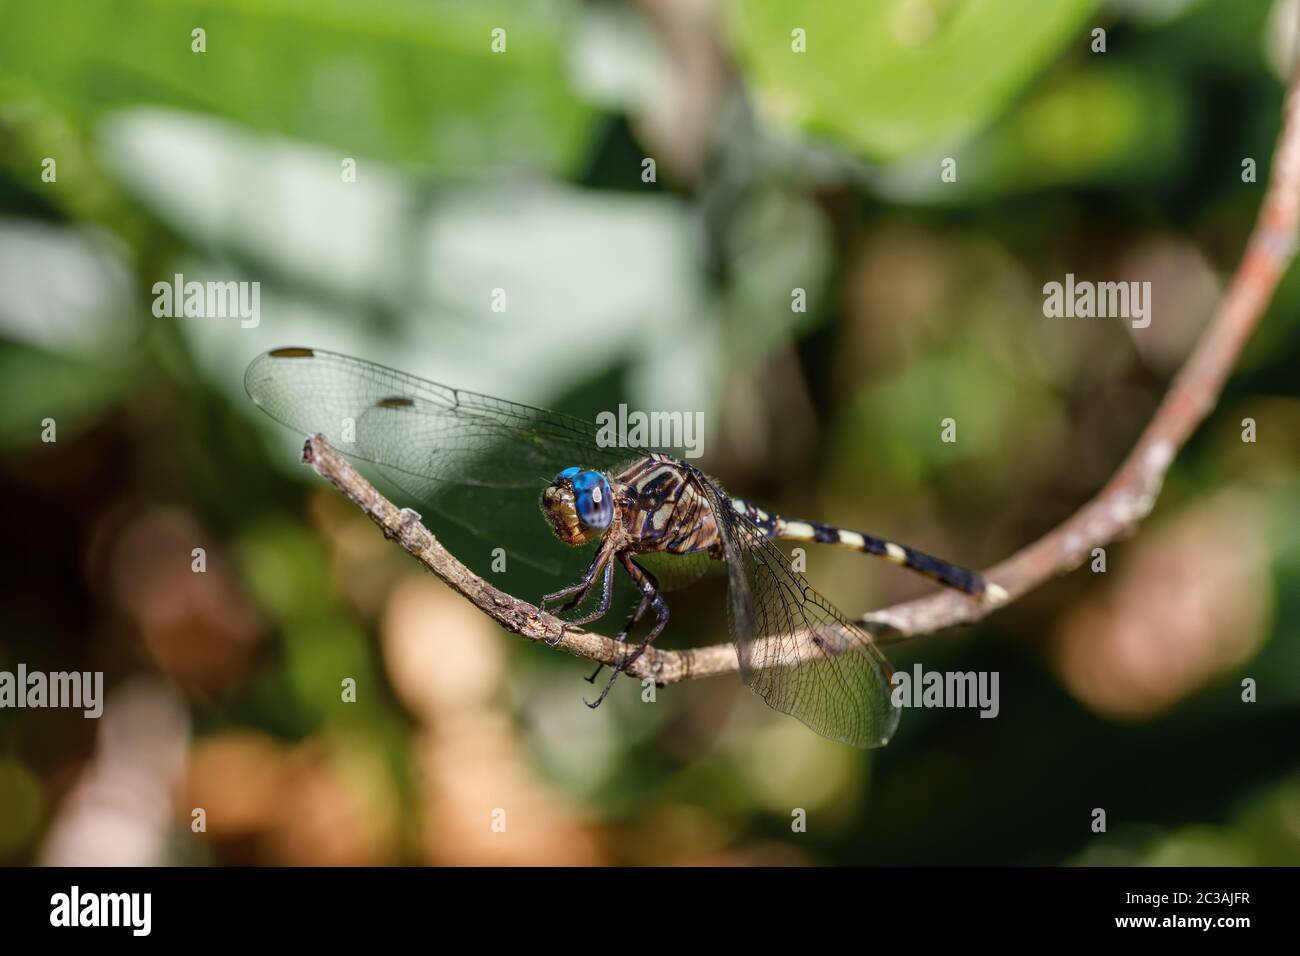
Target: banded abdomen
[779, 528]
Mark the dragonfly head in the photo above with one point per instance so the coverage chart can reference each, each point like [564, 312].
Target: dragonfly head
[579, 505]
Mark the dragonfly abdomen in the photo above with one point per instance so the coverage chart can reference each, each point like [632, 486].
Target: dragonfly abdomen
[780, 528]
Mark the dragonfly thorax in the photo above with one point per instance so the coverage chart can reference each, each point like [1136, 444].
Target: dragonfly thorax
[579, 504]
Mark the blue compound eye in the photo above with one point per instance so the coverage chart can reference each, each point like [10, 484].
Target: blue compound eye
[568, 473]
[592, 497]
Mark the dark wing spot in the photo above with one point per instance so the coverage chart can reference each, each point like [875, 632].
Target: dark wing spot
[292, 353]
[395, 403]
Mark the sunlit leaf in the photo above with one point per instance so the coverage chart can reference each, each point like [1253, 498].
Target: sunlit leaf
[410, 81]
[888, 78]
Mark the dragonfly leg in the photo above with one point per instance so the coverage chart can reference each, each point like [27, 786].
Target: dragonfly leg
[622, 635]
[578, 592]
[651, 594]
[607, 592]
[580, 589]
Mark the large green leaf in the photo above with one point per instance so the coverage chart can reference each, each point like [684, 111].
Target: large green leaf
[889, 78]
[409, 81]
[1100, 125]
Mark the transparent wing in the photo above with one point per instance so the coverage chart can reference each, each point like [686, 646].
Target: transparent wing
[413, 427]
[796, 651]
[672, 572]
[479, 461]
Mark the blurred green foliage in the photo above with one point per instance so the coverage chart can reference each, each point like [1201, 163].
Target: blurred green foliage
[352, 76]
[893, 79]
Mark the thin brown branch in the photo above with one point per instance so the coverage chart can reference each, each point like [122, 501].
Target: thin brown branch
[1131, 492]
[1125, 500]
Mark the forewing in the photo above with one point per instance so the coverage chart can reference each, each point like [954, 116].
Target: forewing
[479, 461]
[419, 428]
[796, 651]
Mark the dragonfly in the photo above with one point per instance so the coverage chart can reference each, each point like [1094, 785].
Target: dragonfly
[646, 513]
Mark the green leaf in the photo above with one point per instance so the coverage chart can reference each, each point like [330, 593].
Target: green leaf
[889, 78]
[409, 81]
[1115, 125]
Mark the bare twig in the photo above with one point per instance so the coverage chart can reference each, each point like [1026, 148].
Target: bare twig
[1125, 500]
